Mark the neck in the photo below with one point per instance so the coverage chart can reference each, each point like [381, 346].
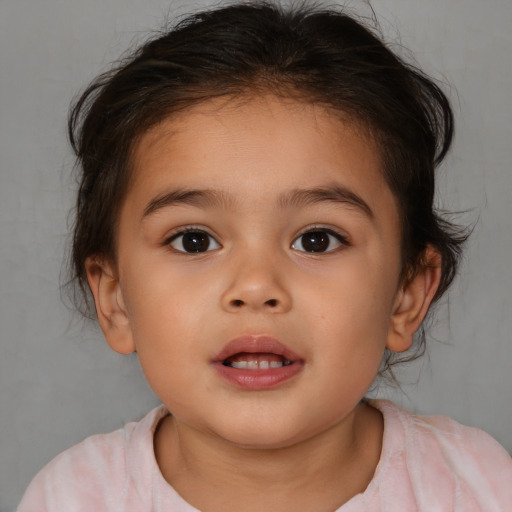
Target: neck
[320, 473]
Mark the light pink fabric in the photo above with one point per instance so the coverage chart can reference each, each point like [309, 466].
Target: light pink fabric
[428, 464]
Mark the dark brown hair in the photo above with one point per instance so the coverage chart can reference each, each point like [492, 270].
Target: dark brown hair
[315, 55]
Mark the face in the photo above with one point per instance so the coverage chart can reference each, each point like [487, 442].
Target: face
[258, 269]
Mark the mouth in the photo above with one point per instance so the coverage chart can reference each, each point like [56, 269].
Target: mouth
[257, 363]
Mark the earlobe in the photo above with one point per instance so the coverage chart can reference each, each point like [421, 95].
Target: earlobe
[110, 306]
[413, 301]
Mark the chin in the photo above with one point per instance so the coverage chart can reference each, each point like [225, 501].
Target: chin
[252, 434]
[258, 441]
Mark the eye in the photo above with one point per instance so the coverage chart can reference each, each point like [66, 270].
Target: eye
[319, 240]
[193, 241]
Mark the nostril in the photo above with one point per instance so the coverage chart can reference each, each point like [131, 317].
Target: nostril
[239, 304]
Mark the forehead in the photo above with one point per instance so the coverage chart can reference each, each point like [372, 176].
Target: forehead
[257, 145]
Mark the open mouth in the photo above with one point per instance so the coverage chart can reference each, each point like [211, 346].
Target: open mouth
[256, 361]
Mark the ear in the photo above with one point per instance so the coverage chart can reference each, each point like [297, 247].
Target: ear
[413, 301]
[110, 306]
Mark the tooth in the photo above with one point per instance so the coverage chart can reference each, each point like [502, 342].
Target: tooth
[261, 364]
[252, 365]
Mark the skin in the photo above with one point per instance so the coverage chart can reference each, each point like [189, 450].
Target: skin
[228, 448]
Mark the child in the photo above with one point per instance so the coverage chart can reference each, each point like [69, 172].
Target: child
[255, 220]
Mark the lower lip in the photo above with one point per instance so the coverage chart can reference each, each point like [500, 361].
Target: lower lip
[258, 379]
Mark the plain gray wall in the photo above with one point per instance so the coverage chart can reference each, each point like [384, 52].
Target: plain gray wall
[60, 382]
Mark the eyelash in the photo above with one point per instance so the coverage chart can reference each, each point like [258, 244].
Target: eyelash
[342, 240]
[195, 230]
[208, 238]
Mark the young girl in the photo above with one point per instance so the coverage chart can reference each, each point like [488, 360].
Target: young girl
[255, 220]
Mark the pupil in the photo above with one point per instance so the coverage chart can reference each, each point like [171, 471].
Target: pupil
[195, 242]
[315, 241]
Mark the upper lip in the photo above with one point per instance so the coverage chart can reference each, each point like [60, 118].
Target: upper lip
[253, 344]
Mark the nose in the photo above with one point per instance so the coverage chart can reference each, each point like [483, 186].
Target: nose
[256, 284]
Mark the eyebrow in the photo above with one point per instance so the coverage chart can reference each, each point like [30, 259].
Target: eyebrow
[199, 198]
[298, 198]
[334, 193]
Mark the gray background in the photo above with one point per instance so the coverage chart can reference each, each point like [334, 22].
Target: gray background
[60, 382]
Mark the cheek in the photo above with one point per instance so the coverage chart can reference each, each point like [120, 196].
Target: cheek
[169, 311]
[155, 288]
[349, 316]
[357, 292]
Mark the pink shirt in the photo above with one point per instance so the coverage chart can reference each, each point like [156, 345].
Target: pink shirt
[430, 464]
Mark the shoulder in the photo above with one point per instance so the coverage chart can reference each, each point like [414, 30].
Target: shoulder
[463, 462]
[93, 475]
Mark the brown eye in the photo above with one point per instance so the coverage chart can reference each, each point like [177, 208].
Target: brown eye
[318, 241]
[194, 242]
